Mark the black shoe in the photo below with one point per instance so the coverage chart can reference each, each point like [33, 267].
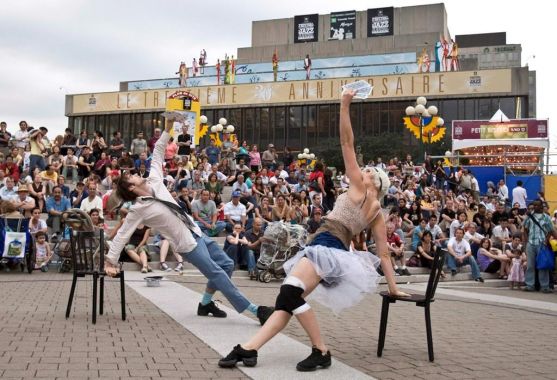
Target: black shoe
[315, 360]
[238, 354]
[453, 272]
[398, 271]
[406, 272]
[479, 279]
[263, 313]
[210, 308]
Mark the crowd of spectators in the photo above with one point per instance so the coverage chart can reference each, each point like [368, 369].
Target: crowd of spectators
[427, 206]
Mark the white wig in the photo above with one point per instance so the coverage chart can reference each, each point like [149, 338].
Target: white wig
[382, 182]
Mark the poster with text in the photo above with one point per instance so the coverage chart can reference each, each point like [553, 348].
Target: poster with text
[343, 25]
[306, 28]
[380, 22]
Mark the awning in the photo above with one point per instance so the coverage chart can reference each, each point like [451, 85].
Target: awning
[471, 143]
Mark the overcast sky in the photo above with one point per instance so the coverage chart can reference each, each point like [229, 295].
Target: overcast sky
[49, 48]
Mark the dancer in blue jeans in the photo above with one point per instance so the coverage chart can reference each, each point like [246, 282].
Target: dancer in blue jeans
[460, 254]
[154, 206]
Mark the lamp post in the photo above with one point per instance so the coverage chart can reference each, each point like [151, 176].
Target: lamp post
[423, 113]
[219, 129]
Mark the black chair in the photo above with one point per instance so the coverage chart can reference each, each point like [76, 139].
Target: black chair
[422, 300]
[84, 245]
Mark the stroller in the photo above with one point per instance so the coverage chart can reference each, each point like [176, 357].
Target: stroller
[77, 220]
[281, 241]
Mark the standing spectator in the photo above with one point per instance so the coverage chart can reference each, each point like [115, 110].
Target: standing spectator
[37, 149]
[460, 254]
[5, 137]
[254, 159]
[153, 140]
[204, 212]
[307, 66]
[21, 137]
[43, 253]
[536, 227]
[520, 197]
[93, 201]
[116, 145]
[56, 205]
[269, 157]
[213, 153]
[503, 192]
[317, 180]
[171, 150]
[184, 142]
[139, 146]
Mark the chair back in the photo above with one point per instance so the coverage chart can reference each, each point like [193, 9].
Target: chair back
[436, 270]
[87, 251]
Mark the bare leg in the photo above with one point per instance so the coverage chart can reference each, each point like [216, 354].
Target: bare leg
[134, 256]
[143, 258]
[165, 245]
[306, 273]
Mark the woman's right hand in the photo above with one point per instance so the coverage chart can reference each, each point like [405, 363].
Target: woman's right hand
[398, 293]
[347, 96]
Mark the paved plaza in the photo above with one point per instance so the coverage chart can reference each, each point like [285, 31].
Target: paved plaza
[479, 332]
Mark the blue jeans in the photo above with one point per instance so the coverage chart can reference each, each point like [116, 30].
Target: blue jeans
[452, 264]
[530, 277]
[36, 161]
[218, 268]
[219, 226]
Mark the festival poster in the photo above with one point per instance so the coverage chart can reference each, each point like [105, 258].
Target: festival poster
[380, 22]
[306, 28]
[343, 25]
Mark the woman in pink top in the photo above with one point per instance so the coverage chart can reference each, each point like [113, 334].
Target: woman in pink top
[254, 159]
[171, 150]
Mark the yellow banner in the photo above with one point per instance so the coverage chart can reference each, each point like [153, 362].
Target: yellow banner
[326, 90]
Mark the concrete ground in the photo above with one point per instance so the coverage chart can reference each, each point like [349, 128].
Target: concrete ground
[478, 332]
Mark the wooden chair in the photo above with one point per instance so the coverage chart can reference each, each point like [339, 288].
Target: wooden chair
[421, 300]
[84, 245]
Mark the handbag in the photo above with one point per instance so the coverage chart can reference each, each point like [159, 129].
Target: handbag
[545, 260]
[413, 261]
[14, 242]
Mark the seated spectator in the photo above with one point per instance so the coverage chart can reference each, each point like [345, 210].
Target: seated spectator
[43, 253]
[55, 160]
[56, 205]
[298, 212]
[255, 237]
[69, 164]
[49, 178]
[10, 168]
[417, 234]
[492, 260]
[316, 203]
[395, 246]
[23, 202]
[36, 224]
[213, 184]
[501, 234]
[236, 247]
[425, 251]
[460, 254]
[281, 210]
[315, 221]
[164, 247]
[142, 160]
[473, 238]
[101, 165]
[460, 222]
[204, 212]
[241, 186]
[78, 195]
[93, 201]
[9, 191]
[85, 163]
[235, 212]
[126, 162]
[264, 210]
[196, 183]
[97, 220]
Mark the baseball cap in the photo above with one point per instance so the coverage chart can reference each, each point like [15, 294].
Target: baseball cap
[236, 193]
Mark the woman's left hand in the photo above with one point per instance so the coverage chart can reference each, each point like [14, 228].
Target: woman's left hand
[399, 293]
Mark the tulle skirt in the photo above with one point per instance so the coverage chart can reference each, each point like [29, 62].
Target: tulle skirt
[346, 276]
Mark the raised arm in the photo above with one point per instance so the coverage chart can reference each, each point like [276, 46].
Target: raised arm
[347, 143]
[158, 152]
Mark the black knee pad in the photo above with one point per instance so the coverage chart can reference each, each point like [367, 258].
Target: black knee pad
[289, 298]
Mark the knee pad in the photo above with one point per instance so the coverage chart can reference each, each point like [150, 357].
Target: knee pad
[290, 297]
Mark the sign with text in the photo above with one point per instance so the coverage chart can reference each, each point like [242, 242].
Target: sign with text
[343, 25]
[485, 130]
[306, 28]
[380, 22]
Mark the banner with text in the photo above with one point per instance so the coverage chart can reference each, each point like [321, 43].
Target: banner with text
[380, 22]
[343, 25]
[306, 28]
[327, 90]
[485, 130]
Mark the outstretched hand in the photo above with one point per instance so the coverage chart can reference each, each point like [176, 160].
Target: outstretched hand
[347, 96]
[399, 293]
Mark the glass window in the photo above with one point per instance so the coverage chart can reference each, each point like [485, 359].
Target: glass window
[484, 109]
[249, 125]
[311, 125]
[324, 118]
[264, 123]
[469, 109]
[294, 127]
[280, 127]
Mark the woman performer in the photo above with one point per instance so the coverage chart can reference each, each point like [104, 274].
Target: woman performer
[336, 277]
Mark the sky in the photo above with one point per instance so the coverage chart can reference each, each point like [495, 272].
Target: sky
[50, 48]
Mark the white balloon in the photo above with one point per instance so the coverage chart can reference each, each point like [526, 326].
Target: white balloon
[432, 110]
[421, 100]
[230, 129]
[214, 129]
[410, 111]
[440, 122]
[219, 127]
[420, 109]
[203, 119]
[300, 156]
[426, 113]
[448, 153]
[222, 121]
[312, 156]
[306, 150]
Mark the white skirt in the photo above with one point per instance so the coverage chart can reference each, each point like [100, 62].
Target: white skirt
[346, 276]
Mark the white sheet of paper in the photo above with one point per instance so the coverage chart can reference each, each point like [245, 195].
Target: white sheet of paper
[361, 87]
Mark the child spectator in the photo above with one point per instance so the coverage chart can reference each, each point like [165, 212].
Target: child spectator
[43, 252]
[516, 276]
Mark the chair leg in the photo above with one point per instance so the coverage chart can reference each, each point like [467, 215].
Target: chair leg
[72, 293]
[428, 331]
[95, 279]
[383, 326]
[101, 296]
[123, 295]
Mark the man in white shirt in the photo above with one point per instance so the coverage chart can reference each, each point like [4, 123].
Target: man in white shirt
[520, 196]
[21, 137]
[9, 191]
[93, 201]
[23, 202]
[473, 238]
[460, 254]
[502, 191]
[501, 234]
[457, 223]
[181, 232]
[235, 212]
